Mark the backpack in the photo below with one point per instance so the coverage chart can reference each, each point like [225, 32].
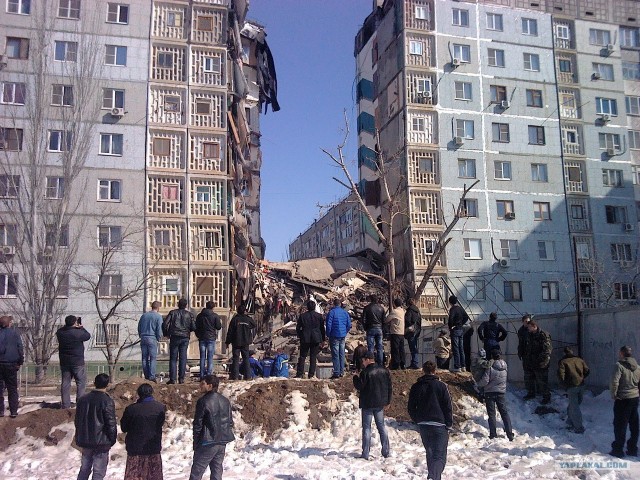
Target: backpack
[280, 366]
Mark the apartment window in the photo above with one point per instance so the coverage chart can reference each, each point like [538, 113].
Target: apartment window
[55, 188]
[423, 85]
[8, 235]
[577, 212]
[494, 21]
[462, 53]
[17, 48]
[541, 211]
[170, 285]
[615, 214]
[532, 62]
[60, 141]
[496, 57]
[161, 147]
[633, 105]
[56, 237]
[111, 144]
[66, 51]
[116, 55]
[112, 98]
[565, 65]
[162, 238]
[609, 140]
[203, 194]
[464, 129]
[415, 47]
[22, 7]
[11, 139]
[574, 173]
[607, 106]
[460, 17]
[109, 236]
[164, 60]
[500, 132]
[550, 292]
[611, 177]
[624, 291]
[634, 139]
[170, 192]
[466, 168]
[110, 286]
[174, 19]
[171, 103]
[62, 95]
[621, 252]
[8, 285]
[475, 290]
[546, 250]
[599, 37]
[118, 13]
[502, 170]
[536, 135]
[418, 124]
[631, 70]
[604, 71]
[509, 249]
[635, 176]
[422, 12]
[62, 287]
[472, 248]
[530, 26]
[498, 93]
[9, 186]
[470, 207]
[629, 37]
[204, 23]
[69, 9]
[534, 98]
[109, 190]
[504, 209]
[539, 172]
[513, 291]
[210, 150]
[203, 106]
[562, 31]
[212, 64]
[13, 93]
[463, 90]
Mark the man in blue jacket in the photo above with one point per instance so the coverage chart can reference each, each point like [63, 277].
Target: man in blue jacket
[71, 340]
[150, 333]
[11, 357]
[338, 325]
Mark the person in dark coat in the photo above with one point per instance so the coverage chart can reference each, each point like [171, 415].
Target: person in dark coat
[494, 383]
[142, 422]
[523, 334]
[311, 333]
[491, 333]
[536, 362]
[178, 325]
[71, 340]
[207, 325]
[457, 319]
[412, 329]
[624, 388]
[572, 371]
[212, 430]
[96, 429]
[430, 407]
[11, 358]
[374, 385]
[240, 335]
[372, 320]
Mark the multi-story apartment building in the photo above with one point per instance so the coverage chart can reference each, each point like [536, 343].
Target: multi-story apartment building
[524, 98]
[160, 186]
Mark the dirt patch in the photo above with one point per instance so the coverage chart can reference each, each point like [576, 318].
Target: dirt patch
[37, 424]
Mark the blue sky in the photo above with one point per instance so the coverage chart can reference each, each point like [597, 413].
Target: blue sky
[312, 45]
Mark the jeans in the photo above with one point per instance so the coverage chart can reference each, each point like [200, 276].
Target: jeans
[177, 348]
[397, 352]
[537, 380]
[412, 341]
[625, 412]
[337, 355]
[374, 344]
[149, 347]
[207, 455]
[96, 459]
[79, 374]
[457, 348]
[574, 415]
[378, 415]
[435, 440]
[311, 349]
[492, 400]
[9, 379]
[207, 351]
[235, 365]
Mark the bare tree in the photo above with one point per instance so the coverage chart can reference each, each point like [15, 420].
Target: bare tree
[612, 284]
[57, 112]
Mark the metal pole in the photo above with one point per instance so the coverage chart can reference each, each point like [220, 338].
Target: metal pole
[578, 300]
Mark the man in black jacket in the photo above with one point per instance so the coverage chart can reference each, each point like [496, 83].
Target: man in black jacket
[71, 340]
[311, 332]
[373, 316]
[430, 407]
[412, 328]
[207, 325]
[491, 333]
[457, 318]
[374, 385]
[523, 336]
[96, 429]
[240, 335]
[142, 422]
[212, 430]
[11, 358]
[178, 326]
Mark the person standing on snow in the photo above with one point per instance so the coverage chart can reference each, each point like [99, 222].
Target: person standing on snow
[572, 370]
[624, 390]
[494, 383]
[536, 361]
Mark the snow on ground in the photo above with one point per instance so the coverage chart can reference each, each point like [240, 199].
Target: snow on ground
[540, 447]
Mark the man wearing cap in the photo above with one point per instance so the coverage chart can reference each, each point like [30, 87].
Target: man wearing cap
[491, 333]
[374, 385]
[71, 340]
[457, 318]
[572, 371]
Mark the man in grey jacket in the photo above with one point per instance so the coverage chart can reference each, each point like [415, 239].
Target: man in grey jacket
[212, 430]
[494, 382]
[624, 391]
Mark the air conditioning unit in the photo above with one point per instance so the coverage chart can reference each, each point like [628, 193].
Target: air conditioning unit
[605, 118]
[509, 216]
[611, 152]
[596, 76]
[610, 47]
[505, 104]
[455, 62]
[117, 112]
[629, 227]
[8, 250]
[504, 263]
[458, 140]
[625, 264]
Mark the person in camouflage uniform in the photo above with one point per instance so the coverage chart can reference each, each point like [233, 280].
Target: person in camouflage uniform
[537, 355]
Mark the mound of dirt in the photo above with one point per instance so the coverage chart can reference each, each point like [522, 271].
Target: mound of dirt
[37, 424]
